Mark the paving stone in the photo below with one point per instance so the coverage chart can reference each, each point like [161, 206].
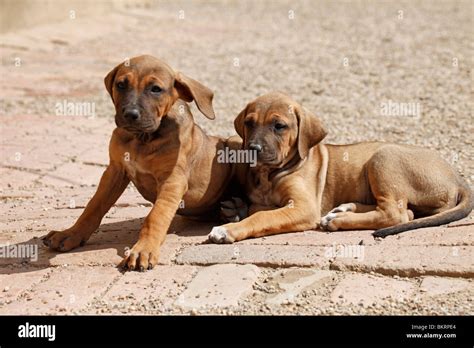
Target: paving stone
[98, 252]
[459, 234]
[97, 155]
[38, 212]
[411, 261]
[14, 179]
[66, 291]
[293, 282]
[161, 285]
[317, 238]
[366, 289]
[29, 158]
[433, 286]
[73, 174]
[15, 196]
[219, 286]
[15, 281]
[109, 255]
[261, 255]
[38, 226]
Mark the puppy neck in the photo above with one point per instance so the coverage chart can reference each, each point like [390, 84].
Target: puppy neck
[291, 164]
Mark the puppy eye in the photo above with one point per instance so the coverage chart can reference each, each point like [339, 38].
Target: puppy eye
[280, 126]
[121, 85]
[156, 89]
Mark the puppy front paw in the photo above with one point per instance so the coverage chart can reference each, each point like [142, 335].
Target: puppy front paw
[143, 256]
[326, 220]
[234, 210]
[220, 235]
[64, 240]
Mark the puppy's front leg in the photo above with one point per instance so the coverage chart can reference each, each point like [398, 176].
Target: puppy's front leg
[290, 218]
[111, 186]
[145, 253]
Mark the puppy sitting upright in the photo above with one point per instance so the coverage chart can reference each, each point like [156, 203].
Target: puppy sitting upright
[160, 149]
[360, 186]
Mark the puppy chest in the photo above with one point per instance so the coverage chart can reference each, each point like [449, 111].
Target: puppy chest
[262, 192]
[133, 168]
[139, 175]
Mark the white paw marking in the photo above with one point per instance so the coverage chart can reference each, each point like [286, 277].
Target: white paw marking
[325, 220]
[342, 208]
[218, 235]
[333, 214]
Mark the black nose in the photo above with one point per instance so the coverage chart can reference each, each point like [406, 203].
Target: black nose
[131, 114]
[255, 147]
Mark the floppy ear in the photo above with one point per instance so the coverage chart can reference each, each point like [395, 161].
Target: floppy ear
[109, 80]
[189, 90]
[239, 123]
[310, 130]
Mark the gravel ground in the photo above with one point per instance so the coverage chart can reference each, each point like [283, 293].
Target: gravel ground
[313, 300]
[341, 60]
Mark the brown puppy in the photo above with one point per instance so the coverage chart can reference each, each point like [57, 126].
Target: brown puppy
[157, 146]
[361, 186]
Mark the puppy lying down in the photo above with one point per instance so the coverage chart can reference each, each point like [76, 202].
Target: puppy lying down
[300, 183]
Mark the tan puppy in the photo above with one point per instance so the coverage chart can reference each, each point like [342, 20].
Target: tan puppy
[361, 186]
[157, 146]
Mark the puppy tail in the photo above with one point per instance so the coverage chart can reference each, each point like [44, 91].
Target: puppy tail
[461, 210]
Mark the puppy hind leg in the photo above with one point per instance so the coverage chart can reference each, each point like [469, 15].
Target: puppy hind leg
[385, 214]
[344, 208]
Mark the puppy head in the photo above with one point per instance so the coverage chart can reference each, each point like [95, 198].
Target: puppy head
[277, 127]
[145, 88]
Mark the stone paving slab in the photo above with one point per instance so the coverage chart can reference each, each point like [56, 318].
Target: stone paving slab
[16, 178]
[412, 261]
[40, 225]
[294, 282]
[66, 290]
[219, 286]
[87, 175]
[316, 238]
[13, 284]
[265, 256]
[39, 212]
[461, 233]
[158, 289]
[368, 289]
[434, 286]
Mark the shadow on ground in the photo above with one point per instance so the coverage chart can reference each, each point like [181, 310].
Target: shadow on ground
[111, 239]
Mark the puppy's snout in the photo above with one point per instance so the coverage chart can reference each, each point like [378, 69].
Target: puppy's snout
[255, 147]
[132, 115]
